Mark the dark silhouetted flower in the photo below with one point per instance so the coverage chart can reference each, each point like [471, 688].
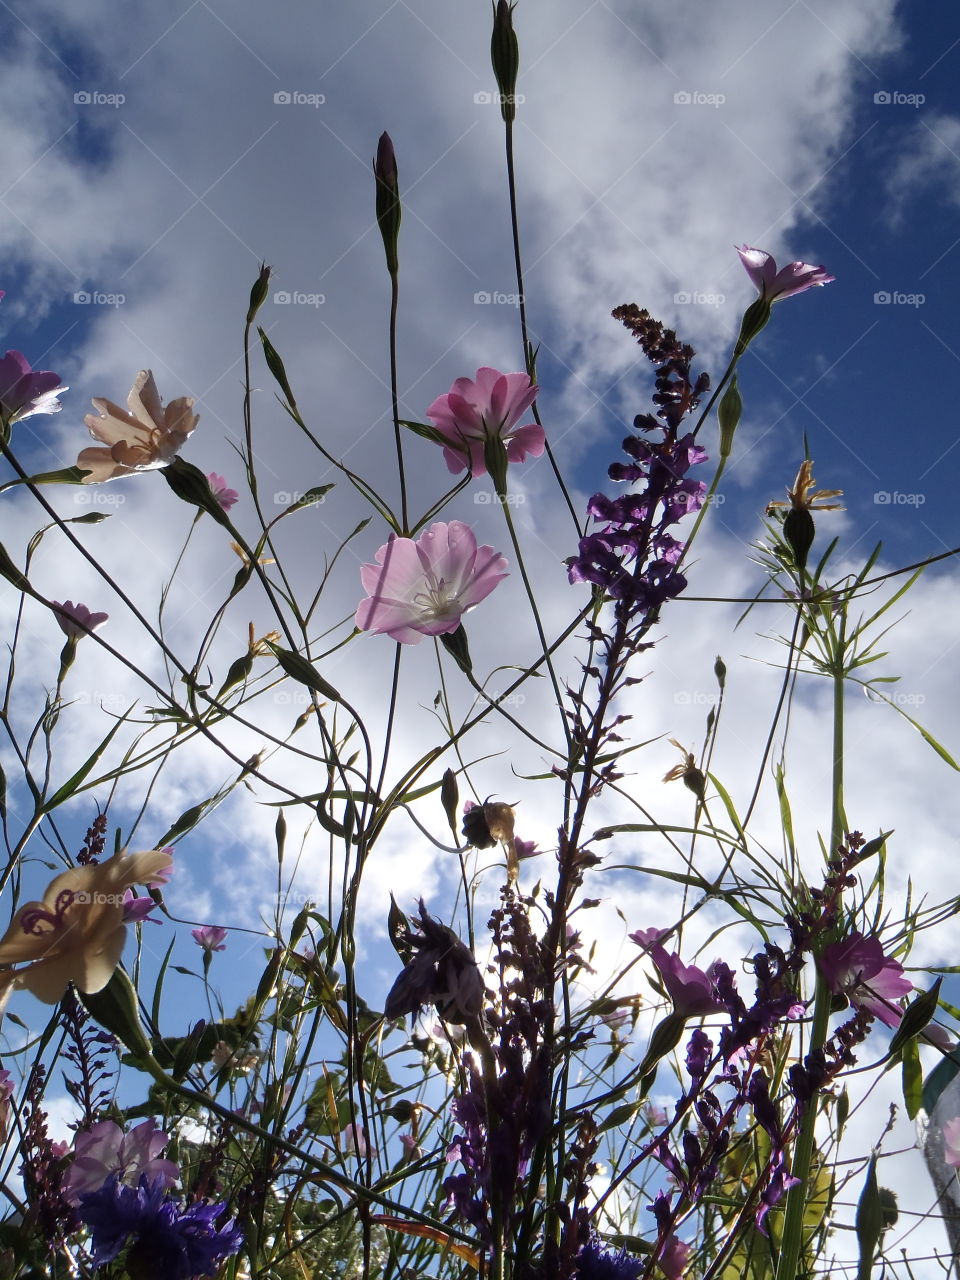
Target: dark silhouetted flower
[441, 971]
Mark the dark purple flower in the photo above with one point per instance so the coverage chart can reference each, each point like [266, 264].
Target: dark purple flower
[699, 1053]
[24, 392]
[857, 968]
[441, 971]
[594, 1262]
[168, 1241]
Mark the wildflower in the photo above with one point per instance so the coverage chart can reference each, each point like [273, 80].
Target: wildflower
[238, 550]
[594, 1262]
[76, 620]
[488, 824]
[693, 778]
[951, 1142]
[76, 934]
[773, 285]
[693, 991]
[6, 1093]
[210, 937]
[137, 910]
[24, 392]
[105, 1151]
[441, 971]
[857, 968]
[425, 587]
[472, 413]
[259, 647]
[140, 438]
[798, 527]
[226, 497]
[169, 1242]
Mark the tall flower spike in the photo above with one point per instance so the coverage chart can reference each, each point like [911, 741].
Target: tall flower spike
[141, 437]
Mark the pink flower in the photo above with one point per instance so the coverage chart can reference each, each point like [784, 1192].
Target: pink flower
[23, 392]
[858, 969]
[141, 437]
[226, 497]
[424, 588]
[210, 937]
[951, 1142]
[6, 1093]
[136, 910]
[471, 412]
[673, 1258]
[104, 1150]
[773, 284]
[76, 620]
[692, 990]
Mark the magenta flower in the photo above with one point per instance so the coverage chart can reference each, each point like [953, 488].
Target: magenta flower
[472, 412]
[24, 392]
[104, 1150]
[226, 497]
[858, 969]
[773, 284]
[136, 910]
[674, 1258]
[692, 990]
[210, 937]
[424, 588]
[76, 620]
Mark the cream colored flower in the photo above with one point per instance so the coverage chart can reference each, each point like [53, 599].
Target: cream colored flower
[76, 934]
[146, 437]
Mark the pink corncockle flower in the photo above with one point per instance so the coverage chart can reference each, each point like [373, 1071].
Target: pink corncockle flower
[141, 437]
[424, 588]
[692, 990]
[857, 968]
[76, 620]
[137, 910]
[104, 1150]
[162, 876]
[951, 1142]
[24, 392]
[472, 412]
[674, 1258]
[210, 937]
[773, 285]
[525, 848]
[225, 496]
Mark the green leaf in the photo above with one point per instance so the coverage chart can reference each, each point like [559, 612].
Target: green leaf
[10, 571]
[917, 1015]
[620, 1116]
[71, 785]
[308, 499]
[912, 1078]
[275, 365]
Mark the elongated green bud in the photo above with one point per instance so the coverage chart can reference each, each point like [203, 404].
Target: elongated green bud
[388, 200]
[505, 56]
[450, 797]
[258, 294]
[799, 531]
[728, 415]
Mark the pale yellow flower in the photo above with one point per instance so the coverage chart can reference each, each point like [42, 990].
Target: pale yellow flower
[76, 934]
[146, 437]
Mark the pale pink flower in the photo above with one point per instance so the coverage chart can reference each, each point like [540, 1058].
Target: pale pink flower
[674, 1258]
[951, 1142]
[471, 412]
[76, 620]
[857, 968]
[140, 438]
[225, 496]
[104, 1150]
[424, 588]
[76, 934]
[24, 392]
[210, 937]
[772, 284]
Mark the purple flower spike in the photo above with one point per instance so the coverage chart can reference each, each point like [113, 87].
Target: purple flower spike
[872, 981]
[24, 392]
[774, 285]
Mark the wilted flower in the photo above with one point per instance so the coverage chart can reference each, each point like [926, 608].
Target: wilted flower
[424, 588]
[24, 392]
[76, 934]
[141, 439]
[473, 412]
[441, 971]
[210, 937]
[772, 284]
[857, 968]
[105, 1150]
[225, 496]
[76, 620]
[488, 824]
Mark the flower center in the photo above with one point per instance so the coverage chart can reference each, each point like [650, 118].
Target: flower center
[438, 601]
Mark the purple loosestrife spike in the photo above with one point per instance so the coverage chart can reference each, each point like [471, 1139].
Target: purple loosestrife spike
[388, 201]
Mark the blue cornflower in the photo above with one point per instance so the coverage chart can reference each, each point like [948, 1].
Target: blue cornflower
[169, 1242]
[596, 1263]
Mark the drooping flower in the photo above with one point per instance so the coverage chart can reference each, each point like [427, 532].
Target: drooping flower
[424, 588]
[692, 990]
[773, 285]
[224, 495]
[857, 968]
[474, 411]
[168, 1241]
[76, 620]
[24, 392]
[442, 970]
[105, 1150]
[210, 937]
[76, 934]
[140, 438]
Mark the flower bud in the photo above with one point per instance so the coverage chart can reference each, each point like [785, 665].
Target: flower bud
[799, 531]
[258, 294]
[728, 415]
[388, 200]
[449, 797]
[505, 56]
